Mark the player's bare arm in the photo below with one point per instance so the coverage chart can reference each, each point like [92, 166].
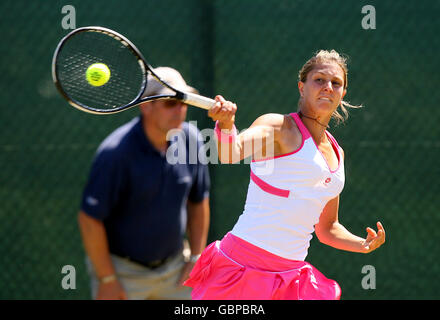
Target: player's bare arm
[331, 232]
[260, 140]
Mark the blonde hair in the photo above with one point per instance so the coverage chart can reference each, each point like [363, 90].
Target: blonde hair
[324, 56]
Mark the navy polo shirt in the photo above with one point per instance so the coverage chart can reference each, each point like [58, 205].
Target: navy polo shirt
[140, 196]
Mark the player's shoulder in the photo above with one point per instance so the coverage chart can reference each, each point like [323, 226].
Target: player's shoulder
[280, 122]
[270, 119]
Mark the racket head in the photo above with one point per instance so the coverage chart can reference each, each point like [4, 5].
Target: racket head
[81, 48]
[129, 71]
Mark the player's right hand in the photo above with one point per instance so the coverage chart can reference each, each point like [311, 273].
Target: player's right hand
[224, 112]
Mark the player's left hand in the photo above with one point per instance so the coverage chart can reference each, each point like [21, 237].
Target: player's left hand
[374, 239]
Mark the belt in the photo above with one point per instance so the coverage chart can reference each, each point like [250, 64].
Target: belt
[150, 265]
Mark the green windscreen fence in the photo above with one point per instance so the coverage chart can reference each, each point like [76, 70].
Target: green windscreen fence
[249, 51]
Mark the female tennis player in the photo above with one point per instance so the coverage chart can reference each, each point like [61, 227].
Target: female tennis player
[262, 257]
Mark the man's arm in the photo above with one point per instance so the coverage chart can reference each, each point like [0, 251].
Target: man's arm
[95, 243]
[197, 231]
[198, 225]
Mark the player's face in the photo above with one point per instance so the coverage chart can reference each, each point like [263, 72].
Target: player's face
[323, 90]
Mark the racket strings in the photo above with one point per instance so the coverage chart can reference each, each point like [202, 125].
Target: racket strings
[86, 48]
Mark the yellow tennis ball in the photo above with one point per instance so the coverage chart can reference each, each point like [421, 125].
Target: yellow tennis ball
[98, 74]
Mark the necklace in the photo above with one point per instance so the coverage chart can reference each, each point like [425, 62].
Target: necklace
[324, 125]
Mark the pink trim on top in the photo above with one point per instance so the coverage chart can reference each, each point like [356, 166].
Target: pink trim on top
[305, 135]
[333, 142]
[304, 131]
[269, 188]
[335, 148]
[335, 145]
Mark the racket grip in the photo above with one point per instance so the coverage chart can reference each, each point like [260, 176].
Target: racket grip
[198, 101]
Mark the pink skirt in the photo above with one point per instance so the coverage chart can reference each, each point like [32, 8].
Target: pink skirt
[234, 269]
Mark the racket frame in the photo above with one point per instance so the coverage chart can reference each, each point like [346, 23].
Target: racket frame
[188, 98]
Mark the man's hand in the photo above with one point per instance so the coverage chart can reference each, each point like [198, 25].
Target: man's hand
[185, 272]
[111, 291]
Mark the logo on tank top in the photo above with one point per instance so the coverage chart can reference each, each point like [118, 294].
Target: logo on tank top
[327, 181]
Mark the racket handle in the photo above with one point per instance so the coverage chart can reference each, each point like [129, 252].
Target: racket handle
[198, 101]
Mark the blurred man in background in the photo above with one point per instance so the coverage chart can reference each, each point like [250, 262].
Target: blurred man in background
[136, 205]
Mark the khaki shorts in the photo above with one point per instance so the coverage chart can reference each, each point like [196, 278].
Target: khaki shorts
[141, 283]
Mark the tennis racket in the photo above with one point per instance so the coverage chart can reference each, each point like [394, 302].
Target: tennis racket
[128, 72]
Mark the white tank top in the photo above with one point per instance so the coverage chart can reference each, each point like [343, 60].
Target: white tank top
[282, 207]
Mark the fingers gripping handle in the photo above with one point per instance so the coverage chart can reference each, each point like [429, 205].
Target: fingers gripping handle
[198, 101]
